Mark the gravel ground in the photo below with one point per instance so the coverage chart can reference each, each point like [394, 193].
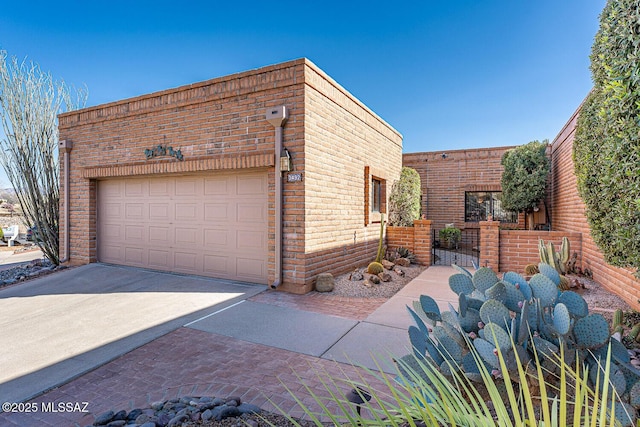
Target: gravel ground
[599, 299]
[345, 287]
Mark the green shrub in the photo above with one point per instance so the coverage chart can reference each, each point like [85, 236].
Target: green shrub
[404, 200]
[606, 143]
[450, 236]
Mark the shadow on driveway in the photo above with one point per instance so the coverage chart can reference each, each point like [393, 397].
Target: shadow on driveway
[57, 327]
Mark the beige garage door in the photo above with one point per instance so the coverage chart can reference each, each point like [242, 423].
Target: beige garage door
[211, 225]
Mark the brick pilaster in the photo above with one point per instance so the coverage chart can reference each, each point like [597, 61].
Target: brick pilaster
[490, 244]
[422, 241]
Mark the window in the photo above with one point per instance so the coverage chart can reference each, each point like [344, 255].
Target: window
[376, 195]
[478, 205]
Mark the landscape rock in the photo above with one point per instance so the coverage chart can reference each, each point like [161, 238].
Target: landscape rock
[399, 271]
[104, 418]
[384, 276]
[387, 264]
[374, 279]
[403, 262]
[356, 275]
[367, 284]
[325, 282]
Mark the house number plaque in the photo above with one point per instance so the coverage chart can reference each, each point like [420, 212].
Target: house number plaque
[163, 150]
[294, 177]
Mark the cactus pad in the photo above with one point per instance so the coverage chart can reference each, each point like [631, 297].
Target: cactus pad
[486, 351]
[497, 292]
[624, 413]
[550, 272]
[494, 311]
[561, 319]
[591, 331]
[575, 303]
[462, 270]
[484, 278]
[430, 307]
[634, 395]
[450, 318]
[461, 284]
[454, 333]
[544, 289]
[497, 335]
[471, 369]
[420, 312]
[478, 295]
[451, 349]
[514, 297]
[462, 304]
[516, 279]
[523, 328]
[418, 341]
[469, 322]
[476, 304]
[545, 348]
[419, 322]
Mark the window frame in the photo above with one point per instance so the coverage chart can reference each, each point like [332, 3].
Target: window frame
[490, 205]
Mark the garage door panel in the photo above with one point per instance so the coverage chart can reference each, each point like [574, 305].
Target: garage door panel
[219, 186]
[216, 265]
[159, 188]
[185, 260]
[159, 211]
[250, 267]
[134, 188]
[186, 236]
[187, 212]
[159, 259]
[134, 232]
[249, 240]
[250, 212]
[134, 256]
[187, 187]
[214, 238]
[214, 225]
[251, 185]
[159, 235]
[216, 211]
[133, 211]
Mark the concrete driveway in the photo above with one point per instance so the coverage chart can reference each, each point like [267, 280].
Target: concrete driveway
[57, 327]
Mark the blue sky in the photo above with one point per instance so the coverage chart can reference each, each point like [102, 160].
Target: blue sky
[447, 74]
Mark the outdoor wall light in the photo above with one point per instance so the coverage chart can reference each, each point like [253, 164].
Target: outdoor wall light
[285, 160]
[444, 155]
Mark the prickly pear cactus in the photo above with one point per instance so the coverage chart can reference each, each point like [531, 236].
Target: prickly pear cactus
[512, 317]
[591, 331]
[544, 290]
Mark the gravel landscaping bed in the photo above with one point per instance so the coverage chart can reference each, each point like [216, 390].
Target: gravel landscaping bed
[345, 286]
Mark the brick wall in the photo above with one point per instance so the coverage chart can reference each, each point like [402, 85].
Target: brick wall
[346, 145]
[568, 216]
[220, 124]
[417, 239]
[444, 181]
[520, 247]
[400, 237]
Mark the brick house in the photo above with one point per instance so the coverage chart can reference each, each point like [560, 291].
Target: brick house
[189, 179]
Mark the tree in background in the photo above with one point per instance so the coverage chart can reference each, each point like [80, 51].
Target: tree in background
[30, 101]
[524, 179]
[607, 144]
[404, 200]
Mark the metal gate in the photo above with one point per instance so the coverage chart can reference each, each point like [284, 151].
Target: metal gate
[464, 253]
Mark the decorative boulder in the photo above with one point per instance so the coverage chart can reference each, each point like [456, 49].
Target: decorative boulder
[403, 262]
[388, 265]
[325, 282]
[356, 275]
[384, 276]
[399, 271]
[374, 279]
